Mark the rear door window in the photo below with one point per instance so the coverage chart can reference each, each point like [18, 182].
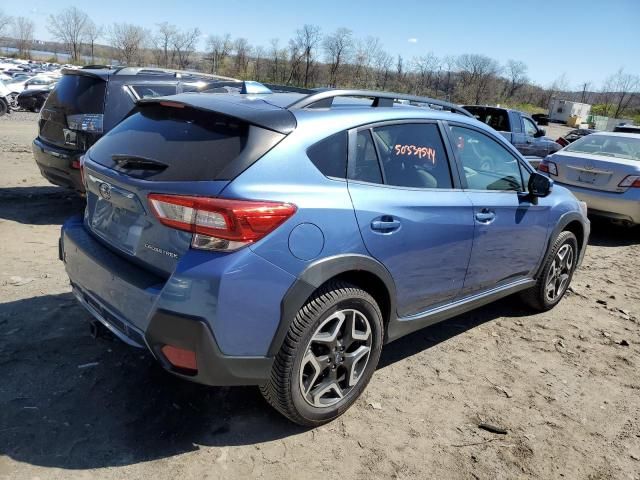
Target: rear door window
[412, 155]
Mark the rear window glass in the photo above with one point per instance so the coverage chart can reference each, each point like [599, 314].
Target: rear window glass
[495, 118]
[150, 91]
[78, 94]
[330, 155]
[627, 148]
[182, 144]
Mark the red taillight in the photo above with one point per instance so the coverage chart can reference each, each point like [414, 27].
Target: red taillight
[219, 223]
[630, 181]
[562, 141]
[180, 357]
[546, 166]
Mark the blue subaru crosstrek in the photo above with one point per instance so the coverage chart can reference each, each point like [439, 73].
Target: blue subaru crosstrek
[281, 239]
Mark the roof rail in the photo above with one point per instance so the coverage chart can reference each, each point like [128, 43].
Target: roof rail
[325, 98]
[125, 70]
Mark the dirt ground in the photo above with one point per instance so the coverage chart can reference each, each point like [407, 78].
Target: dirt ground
[565, 384]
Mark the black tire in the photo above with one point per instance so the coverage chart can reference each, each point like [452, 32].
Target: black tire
[537, 296]
[285, 388]
[4, 107]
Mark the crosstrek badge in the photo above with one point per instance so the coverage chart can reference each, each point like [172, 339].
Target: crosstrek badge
[160, 250]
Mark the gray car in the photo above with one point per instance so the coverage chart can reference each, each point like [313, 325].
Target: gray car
[603, 170]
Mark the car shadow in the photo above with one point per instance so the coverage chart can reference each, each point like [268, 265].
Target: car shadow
[440, 332]
[607, 234]
[44, 205]
[70, 401]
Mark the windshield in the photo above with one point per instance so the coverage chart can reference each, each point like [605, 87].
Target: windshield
[608, 146]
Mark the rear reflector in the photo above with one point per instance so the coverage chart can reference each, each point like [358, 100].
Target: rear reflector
[219, 223]
[632, 181]
[180, 357]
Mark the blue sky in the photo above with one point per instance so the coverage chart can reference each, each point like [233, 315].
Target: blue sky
[585, 41]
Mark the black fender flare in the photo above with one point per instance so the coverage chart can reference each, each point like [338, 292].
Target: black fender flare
[564, 220]
[319, 272]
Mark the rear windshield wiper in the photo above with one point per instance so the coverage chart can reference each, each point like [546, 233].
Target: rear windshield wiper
[132, 162]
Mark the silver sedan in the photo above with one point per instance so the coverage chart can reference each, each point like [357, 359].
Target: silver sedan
[603, 170]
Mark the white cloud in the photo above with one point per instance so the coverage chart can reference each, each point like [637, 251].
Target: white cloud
[412, 40]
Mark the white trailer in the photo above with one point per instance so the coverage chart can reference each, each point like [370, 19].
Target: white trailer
[563, 110]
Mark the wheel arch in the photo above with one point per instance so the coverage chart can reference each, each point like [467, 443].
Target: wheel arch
[359, 270]
[574, 223]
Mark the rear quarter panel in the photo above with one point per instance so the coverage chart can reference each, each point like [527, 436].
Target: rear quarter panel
[286, 174]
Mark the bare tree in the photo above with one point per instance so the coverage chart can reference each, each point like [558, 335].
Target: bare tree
[366, 52]
[5, 22]
[68, 27]
[425, 67]
[476, 72]
[184, 44]
[274, 52]
[516, 73]
[382, 64]
[128, 40]
[338, 47]
[626, 87]
[219, 49]
[241, 49]
[308, 38]
[295, 62]
[92, 32]
[22, 32]
[258, 57]
[400, 74]
[163, 41]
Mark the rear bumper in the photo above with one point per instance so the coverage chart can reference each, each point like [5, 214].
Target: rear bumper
[619, 206]
[147, 311]
[55, 165]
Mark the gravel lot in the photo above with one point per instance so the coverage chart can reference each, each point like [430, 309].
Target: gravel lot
[565, 384]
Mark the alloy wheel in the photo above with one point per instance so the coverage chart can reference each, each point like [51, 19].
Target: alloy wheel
[559, 273]
[335, 358]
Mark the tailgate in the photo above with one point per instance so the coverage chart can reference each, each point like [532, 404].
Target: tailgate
[118, 213]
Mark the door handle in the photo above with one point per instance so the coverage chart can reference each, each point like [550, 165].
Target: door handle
[385, 224]
[529, 140]
[485, 216]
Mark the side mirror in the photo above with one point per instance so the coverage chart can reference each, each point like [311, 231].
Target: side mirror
[540, 185]
[540, 133]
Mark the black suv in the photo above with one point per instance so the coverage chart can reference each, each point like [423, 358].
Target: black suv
[87, 103]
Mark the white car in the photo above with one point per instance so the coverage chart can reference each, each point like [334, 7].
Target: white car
[5, 98]
[39, 81]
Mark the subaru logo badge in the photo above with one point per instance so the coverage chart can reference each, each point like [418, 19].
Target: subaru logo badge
[105, 191]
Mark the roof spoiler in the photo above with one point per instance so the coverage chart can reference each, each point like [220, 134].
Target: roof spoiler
[270, 117]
